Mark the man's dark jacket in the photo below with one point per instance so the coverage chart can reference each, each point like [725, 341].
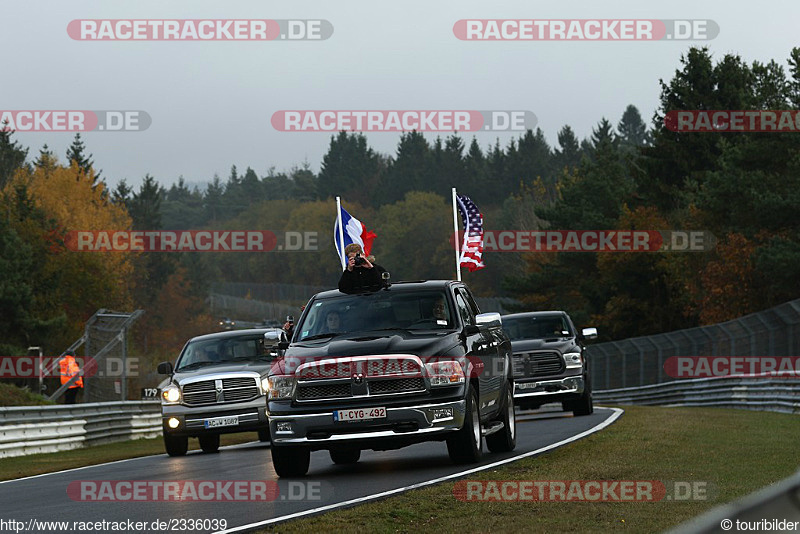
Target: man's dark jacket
[361, 279]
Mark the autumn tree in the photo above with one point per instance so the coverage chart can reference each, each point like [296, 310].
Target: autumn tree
[45, 204]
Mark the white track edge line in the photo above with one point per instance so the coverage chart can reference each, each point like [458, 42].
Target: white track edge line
[617, 412]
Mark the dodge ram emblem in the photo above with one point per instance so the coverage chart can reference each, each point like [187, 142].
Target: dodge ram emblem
[218, 388]
[358, 378]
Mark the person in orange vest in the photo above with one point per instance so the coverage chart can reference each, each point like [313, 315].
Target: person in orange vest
[69, 368]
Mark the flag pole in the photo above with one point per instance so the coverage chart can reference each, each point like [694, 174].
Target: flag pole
[342, 259]
[455, 235]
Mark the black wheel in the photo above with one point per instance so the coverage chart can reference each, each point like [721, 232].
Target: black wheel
[176, 445]
[505, 440]
[466, 445]
[263, 434]
[584, 404]
[209, 443]
[345, 456]
[290, 461]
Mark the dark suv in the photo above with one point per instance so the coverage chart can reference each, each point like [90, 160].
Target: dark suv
[549, 361]
[412, 362]
[217, 387]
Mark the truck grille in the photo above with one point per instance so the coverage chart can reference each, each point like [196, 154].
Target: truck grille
[312, 391]
[397, 385]
[234, 389]
[532, 364]
[370, 385]
[330, 391]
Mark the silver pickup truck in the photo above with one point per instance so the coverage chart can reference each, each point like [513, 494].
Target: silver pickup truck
[411, 362]
[217, 386]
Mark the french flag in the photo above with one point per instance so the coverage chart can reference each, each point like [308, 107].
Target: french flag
[354, 231]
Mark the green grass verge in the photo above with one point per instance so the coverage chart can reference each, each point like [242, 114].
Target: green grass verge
[36, 464]
[735, 451]
[11, 395]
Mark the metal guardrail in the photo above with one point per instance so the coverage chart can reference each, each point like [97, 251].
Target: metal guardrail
[762, 393]
[774, 507]
[36, 429]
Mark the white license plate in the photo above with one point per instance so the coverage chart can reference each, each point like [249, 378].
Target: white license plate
[361, 414]
[222, 421]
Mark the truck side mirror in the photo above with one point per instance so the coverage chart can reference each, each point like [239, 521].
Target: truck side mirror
[471, 330]
[164, 368]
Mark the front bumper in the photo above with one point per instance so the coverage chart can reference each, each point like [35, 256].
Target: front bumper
[564, 387]
[252, 416]
[401, 426]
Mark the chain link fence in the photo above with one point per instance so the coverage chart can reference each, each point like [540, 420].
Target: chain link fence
[640, 361]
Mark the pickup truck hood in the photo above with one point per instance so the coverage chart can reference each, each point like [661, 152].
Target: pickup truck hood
[261, 368]
[365, 344]
[257, 367]
[560, 344]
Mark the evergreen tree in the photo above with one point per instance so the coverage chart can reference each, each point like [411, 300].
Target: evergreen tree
[145, 206]
[122, 194]
[631, 130]
[12, 155]
[152, 269]
[451, 169]
[305, 183]
[475, 172]
[76, 153]
[350, 169]
[568, 153]
[46, 160]
[213, 202]
[411, 170]
[496, 161]
[531, 159]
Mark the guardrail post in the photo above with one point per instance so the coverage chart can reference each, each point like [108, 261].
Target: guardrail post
[124, 388]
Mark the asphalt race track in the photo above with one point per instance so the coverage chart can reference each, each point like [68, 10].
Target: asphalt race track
[327, 486]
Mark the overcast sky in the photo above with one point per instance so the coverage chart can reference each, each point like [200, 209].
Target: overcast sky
[211, 102]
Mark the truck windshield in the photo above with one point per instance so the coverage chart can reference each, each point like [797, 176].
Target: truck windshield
[382, 310]
[239, 349]
[536, 327]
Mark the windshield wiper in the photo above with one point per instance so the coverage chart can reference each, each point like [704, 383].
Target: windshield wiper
[320, 336]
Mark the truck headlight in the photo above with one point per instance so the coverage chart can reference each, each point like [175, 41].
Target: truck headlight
[445, 373]
[264, 383]
[171, 394]
[573, 360]
[280, 387]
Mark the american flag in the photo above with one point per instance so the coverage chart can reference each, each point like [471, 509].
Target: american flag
[472, 248]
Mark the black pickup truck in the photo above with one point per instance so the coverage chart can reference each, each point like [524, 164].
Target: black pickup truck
[380, 370]
[550, 363]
